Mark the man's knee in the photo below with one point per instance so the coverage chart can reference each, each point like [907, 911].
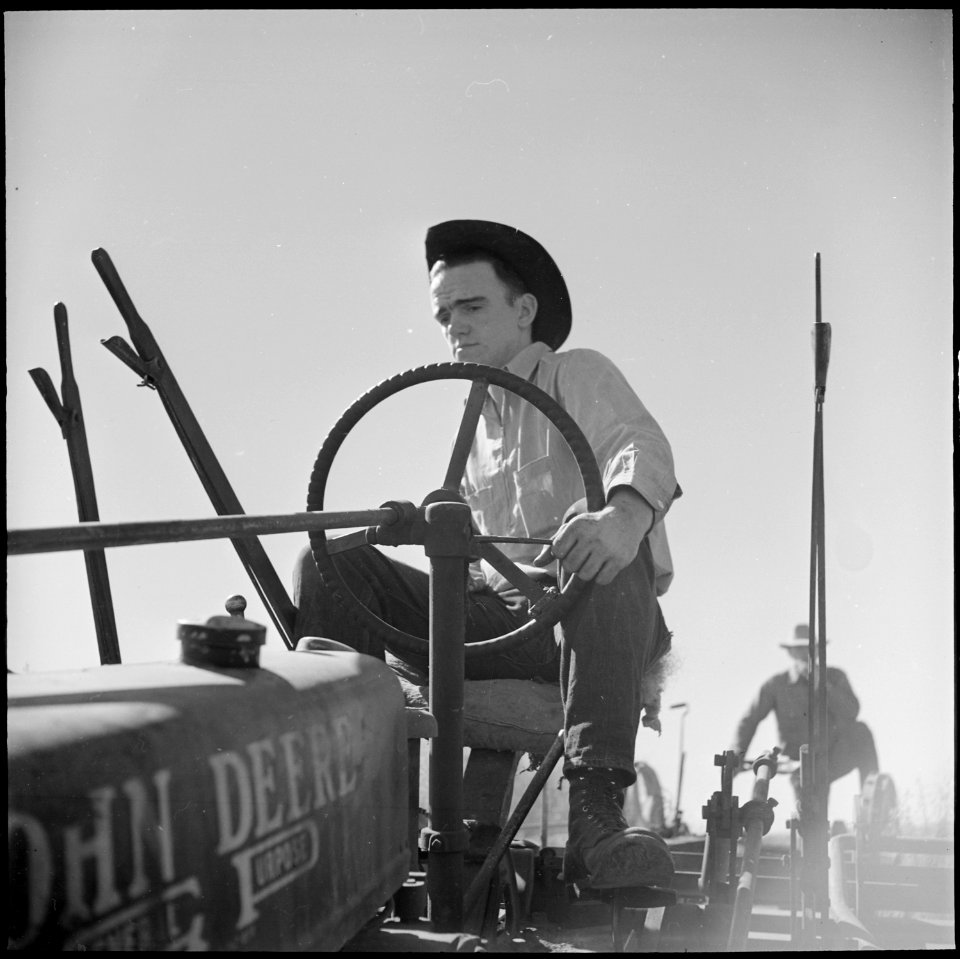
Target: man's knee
[305, 574]
[866, 748]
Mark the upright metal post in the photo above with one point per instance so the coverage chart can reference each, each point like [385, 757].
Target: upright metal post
[447, 545]
[722, 816]
[756, 817]
[815, 791]
[678, 813]
[69, 416]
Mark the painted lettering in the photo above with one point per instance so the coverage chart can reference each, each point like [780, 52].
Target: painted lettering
[346, 734]
[99, 850]
[29, 853]
[268, 866]
[150, 827]
[292, 745]
[149, 925]
[264, 787]
[321, 756]
[231, 779]
[192, 940]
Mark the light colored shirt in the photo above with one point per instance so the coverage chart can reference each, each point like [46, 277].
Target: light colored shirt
[521, 477]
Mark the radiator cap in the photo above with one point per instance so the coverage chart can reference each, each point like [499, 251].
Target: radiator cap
[228, 642]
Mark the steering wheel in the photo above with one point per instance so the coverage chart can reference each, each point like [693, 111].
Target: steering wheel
[548, 606]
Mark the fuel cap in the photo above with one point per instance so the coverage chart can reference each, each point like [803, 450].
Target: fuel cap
[230, 642]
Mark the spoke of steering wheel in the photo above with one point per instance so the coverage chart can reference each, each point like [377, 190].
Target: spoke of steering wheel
[465, 435]
[507, 568]
[361, 537]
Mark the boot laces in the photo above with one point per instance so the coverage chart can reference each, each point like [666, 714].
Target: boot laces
[599, 800]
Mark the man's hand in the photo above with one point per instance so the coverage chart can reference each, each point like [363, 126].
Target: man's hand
[476, 581]
[597, 546]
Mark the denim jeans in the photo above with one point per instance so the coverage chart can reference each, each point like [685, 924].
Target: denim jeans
[598, 653]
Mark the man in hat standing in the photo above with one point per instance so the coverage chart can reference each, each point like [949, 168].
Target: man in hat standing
[499, 299]
[850, 743]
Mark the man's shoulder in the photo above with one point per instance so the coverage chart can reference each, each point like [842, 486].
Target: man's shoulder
[578, 359]
[778, 680]
[580, 354]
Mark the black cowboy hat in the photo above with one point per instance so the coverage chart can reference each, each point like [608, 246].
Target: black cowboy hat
[527, 257]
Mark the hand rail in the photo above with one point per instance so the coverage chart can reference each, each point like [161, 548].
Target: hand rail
[85, 536]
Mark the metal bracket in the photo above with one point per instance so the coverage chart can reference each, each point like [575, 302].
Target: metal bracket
[452, 840]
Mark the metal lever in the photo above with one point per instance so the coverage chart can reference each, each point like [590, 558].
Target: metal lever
[69, 417]
[152, 365]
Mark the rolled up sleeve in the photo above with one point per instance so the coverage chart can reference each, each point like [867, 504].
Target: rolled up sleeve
[631, 448]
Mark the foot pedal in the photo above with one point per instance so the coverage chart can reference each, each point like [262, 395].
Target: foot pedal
[639, 897]
[633, 897]
[625, 927]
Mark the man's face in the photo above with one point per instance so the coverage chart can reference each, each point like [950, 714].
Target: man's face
[473, 308]
[800, 660]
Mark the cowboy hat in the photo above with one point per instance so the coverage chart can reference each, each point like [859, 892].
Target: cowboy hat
[801, 638]
[521, 252]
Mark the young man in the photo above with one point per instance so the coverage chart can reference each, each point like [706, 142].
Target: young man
[850, 743]
[500, 300]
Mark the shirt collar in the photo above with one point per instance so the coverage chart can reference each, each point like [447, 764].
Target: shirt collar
[525, 362]
[794, 674]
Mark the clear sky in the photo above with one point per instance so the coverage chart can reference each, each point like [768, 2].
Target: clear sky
[263, 182]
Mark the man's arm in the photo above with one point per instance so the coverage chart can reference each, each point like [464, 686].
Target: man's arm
[758, 710]
[598, 545]
[842, 704]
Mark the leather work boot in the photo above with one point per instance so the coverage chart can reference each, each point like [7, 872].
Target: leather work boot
[603, 851]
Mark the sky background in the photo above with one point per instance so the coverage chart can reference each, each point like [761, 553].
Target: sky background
[263, 182]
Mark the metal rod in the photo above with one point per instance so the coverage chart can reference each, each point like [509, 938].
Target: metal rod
[793, 824]
[545, 819]
[465, 435]
[510, 571]
[55, 539]
[69, 416]
[822, 772]
[677, 812]
[534, 540]
[814, 810]
[842, 911]
[753, 838]
[512, 827]
[448, 533]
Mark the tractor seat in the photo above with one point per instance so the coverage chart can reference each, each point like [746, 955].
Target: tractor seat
[506, 715]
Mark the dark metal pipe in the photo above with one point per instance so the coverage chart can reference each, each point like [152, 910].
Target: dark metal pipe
[814, 811]
[743, 903]
[794, 879]
[447, 545]
[485, 874]
[87, 536]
